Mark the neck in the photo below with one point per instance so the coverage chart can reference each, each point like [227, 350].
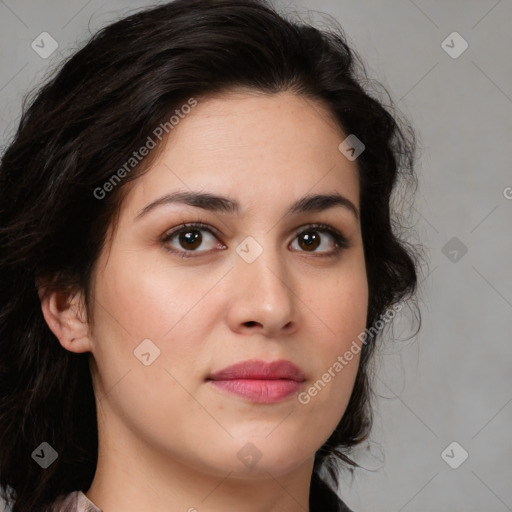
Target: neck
[133, 475]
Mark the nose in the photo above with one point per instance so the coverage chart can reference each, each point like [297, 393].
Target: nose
[263, 297]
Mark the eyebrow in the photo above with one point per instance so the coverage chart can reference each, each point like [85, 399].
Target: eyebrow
[216, 203]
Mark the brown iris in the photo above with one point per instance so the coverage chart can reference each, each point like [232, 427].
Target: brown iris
[309, 239]
[192, 237]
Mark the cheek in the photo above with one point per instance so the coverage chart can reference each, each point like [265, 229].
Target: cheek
[136, 302]
[340, 306]
[140, 300]
[340, 314]
[324, 400]
[150, 298]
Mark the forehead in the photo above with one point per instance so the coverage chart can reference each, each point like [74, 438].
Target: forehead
[256, 148]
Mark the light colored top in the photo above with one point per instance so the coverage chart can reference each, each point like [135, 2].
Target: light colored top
[75, 501]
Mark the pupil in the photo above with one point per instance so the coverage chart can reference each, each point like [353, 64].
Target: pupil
[191, 238]
[310, 240]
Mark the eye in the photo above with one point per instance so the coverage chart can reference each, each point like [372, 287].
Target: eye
[189, 239]
[309, 239]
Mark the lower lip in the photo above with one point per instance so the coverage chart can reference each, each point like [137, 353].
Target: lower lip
[258, 390]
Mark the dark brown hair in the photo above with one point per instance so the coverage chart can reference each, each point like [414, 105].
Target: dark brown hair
[83, 125]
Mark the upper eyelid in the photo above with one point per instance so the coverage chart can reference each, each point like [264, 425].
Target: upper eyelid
[190, 225]
[171, 233]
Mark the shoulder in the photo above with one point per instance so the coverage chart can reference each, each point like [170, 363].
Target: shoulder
[75, 501]
[324, 499]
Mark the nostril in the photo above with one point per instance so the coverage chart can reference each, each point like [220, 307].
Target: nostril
[251, 323]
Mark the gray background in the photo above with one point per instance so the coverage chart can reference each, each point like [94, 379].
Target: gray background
[451, 382]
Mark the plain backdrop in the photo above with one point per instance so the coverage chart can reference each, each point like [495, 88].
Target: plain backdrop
[452, 383]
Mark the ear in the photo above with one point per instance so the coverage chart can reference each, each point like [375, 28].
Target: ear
[64, 313]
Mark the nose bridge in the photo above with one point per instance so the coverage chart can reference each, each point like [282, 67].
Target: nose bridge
[261, 274]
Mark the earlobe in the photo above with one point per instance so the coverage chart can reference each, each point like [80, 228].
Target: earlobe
[64, 314]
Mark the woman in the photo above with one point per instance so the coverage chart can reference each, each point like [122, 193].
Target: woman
[197, 258]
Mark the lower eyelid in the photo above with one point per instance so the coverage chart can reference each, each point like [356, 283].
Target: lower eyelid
[167, 238]
[339, 239]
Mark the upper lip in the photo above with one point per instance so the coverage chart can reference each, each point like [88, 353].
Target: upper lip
[255, 369]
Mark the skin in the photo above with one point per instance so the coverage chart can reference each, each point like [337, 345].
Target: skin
[168, 440]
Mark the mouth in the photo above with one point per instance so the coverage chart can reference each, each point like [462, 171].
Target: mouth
[258, 381]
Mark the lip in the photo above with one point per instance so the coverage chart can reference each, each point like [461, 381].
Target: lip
[259, 381]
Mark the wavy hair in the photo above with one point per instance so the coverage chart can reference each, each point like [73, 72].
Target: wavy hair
[84, 122]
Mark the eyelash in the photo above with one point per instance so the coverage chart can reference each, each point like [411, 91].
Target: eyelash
[340, 240]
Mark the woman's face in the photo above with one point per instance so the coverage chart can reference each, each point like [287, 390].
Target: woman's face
[258, 283]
